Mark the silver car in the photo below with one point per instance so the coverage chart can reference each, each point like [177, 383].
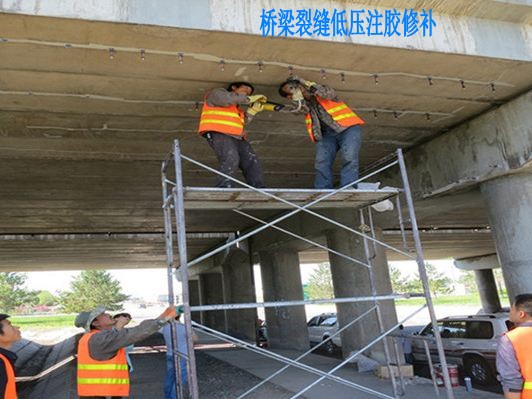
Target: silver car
[322, 327]
[469, 342]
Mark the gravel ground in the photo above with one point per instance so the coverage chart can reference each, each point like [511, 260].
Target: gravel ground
[218, 379]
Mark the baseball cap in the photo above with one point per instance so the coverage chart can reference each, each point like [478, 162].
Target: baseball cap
[85, 319]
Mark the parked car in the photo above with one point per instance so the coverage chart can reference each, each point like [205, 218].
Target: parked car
[322, 327]
[469, 342]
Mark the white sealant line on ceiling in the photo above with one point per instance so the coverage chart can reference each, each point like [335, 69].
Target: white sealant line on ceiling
[187, 102]
[215, 59]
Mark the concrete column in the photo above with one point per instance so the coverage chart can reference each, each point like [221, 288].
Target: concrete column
[237, 272]
[487, 289]
[194, 298]
[211, 288]
[353, 280]
[281, 281]
[509, 202]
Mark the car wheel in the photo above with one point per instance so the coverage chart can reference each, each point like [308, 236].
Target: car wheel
[478, 369]
[329, 347]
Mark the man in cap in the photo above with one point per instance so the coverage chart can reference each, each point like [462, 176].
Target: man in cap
[9, 334]
[514, 352]
[332, 125]
[222, 123]
[102, 363]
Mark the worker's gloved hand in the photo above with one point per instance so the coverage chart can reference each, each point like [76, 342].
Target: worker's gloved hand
[297, 95]
[255, 108]
[307, 83]
[169, 313]
[257, 98]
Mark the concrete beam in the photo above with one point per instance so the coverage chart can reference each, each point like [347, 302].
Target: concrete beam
[281, 281]
[487, 289]
[211, 293]
[195, 298]
[480, 27]
[353, 280]
[492, 145]
[238, 287]
[486, 262]
[509, 203]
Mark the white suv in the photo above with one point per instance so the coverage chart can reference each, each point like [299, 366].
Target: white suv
[322, 327]
[468, 341]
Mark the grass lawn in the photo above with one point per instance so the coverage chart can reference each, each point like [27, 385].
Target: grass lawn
[472, 299]
[44, 321]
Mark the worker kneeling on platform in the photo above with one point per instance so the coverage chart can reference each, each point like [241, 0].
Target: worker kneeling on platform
[102, 364]
[332, 125]
[222, 124]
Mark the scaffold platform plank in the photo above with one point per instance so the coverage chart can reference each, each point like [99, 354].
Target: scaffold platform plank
[244, 198]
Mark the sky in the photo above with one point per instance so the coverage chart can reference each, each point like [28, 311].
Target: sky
[150, 283]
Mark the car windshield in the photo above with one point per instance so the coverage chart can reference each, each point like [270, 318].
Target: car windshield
[471, 329]
[329, 322]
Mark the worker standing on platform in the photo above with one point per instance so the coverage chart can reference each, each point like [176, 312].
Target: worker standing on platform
[222, 124]
[514, 354]
[102, 364]
[332, 125]
[9, 334]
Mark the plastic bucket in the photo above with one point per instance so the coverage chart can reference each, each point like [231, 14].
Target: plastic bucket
[453, 375]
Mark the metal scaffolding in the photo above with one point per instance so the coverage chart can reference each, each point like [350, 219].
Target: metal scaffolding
[174, 198]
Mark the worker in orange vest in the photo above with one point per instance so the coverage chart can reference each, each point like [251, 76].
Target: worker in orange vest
[514, 353]
[102, 364]
[222, 123]
[332, 125]
[9, 334]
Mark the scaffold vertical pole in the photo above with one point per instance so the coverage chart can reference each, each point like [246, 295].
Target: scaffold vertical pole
[179, 207]
[423, 273]
[170, 277]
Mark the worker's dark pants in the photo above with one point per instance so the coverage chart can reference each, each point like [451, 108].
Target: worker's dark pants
[234, 153]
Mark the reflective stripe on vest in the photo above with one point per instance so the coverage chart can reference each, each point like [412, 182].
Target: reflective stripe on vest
[520, 337]
[227, 120]
[340, 113]
[101, 378]
[11, 388]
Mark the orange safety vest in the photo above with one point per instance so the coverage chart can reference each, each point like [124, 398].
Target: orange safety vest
[11, 389]
[101, 378]
[339, 111]
[521, 337]
[228, 120]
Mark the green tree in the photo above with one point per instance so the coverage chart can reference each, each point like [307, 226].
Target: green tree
[320, 283]
[499, 281]
[47, 298]
[399, 282]
[13, 293]
[90, 289]
[467, 279]
[438, 282]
